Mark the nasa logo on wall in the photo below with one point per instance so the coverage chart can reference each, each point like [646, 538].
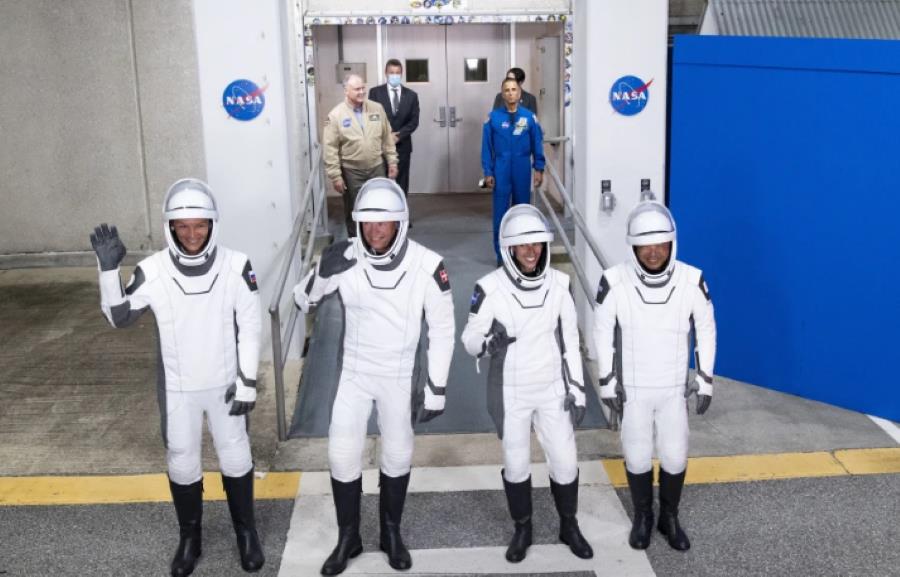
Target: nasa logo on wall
[629, 95]
[244, 100]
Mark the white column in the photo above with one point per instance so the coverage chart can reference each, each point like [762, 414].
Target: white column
[612, 40]
[247, 162]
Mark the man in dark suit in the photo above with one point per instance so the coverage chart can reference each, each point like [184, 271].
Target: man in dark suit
[527, 100]
[402, 106]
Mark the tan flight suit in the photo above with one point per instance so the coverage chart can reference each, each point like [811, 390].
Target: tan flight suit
[357, 153]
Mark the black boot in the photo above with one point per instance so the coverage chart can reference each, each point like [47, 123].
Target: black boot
[346, 503]
[188, 501]
[566, 499]
[518, 496]
[641, 487]
[390, 511]
[669, 497]
[239, 491]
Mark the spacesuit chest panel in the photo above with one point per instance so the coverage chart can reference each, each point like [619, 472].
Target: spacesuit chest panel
[532, 318]
[655, 324]
[383, 316]
[195, 316]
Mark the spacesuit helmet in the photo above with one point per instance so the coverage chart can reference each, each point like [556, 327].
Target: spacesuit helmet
[381, 200]
[524, 224]
[650, 222]
[190, 198]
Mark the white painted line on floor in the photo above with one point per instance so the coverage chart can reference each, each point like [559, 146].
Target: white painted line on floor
[444, 479]
[888, 427]
[603, 522]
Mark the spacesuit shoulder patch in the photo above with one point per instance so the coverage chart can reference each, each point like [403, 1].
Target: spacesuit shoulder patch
[441, 277]
[703, 288]
[477, 298]
[137, 279]
[249, 277]
[602, 290]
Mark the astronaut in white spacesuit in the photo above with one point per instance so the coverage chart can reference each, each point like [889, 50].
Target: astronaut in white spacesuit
[206, 303]
[386, 283]
[647, 312]
[523, 317]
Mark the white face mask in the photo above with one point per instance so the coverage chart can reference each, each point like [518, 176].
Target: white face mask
[393, 80]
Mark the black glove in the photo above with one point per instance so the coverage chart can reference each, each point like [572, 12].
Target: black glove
[576, 411]
[703, 402]
[239, 407]
[426, 415]
[333, 261]
[496, 340]
[108, 246]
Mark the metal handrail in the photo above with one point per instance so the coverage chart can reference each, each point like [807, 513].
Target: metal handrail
[576, 262]
[579, 222]
[281, 346]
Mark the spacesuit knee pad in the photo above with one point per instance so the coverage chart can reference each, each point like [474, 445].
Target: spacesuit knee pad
[235, 461]
[563, 470]
[517, 464]
[344, 459]
[396, 458]
[184, 468]
[673, 456]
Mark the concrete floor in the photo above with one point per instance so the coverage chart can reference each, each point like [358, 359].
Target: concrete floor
[78, 398]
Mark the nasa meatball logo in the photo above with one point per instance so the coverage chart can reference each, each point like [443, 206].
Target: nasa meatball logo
[629, 95]
[244, 100]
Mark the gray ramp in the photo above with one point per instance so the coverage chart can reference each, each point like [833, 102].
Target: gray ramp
[458, 227]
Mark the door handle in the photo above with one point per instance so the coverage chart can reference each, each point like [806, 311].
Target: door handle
[442, 116]
[453, 118]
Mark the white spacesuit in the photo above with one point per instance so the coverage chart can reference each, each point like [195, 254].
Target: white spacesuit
[523, 316]
[385, 294]
[644, 322]
[207, 310]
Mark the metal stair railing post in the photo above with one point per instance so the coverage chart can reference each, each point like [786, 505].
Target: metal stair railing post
[580, 224]
[314, 198]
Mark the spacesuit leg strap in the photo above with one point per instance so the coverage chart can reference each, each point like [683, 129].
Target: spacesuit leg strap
[239, 491]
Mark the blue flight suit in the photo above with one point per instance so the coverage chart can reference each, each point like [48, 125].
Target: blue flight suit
[508, 141]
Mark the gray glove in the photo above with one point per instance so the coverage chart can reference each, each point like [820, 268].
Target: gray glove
[703, 391]
[333, 260]
[108, 246]
[243, 395]
[576, 411]
[496, 340]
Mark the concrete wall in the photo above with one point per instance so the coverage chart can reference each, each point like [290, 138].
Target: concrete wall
[102, 114]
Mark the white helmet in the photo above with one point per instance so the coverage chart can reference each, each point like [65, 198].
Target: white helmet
[524, 224]
[190, 198]
[381, 200]
[651, 223]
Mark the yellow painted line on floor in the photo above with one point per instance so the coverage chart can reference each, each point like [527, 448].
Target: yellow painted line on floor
[102, 490]
[870, 461]
[739, 468]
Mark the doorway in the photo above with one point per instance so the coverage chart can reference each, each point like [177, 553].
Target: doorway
[456, 71]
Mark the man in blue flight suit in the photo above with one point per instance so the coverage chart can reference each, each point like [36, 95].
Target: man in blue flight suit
[510, 138]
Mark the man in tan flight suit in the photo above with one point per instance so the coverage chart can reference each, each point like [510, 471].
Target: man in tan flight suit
[358, 145]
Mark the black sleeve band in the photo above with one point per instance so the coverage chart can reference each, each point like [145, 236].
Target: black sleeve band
[477, 299]
[703, 288]
[250, 277]
[602, 290]
[137, 279]
[441, 277]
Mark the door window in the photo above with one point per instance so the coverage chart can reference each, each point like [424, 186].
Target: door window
[475, 70]
[416, 70]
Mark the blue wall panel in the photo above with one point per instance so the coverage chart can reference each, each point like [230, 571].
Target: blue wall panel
[785, 183]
